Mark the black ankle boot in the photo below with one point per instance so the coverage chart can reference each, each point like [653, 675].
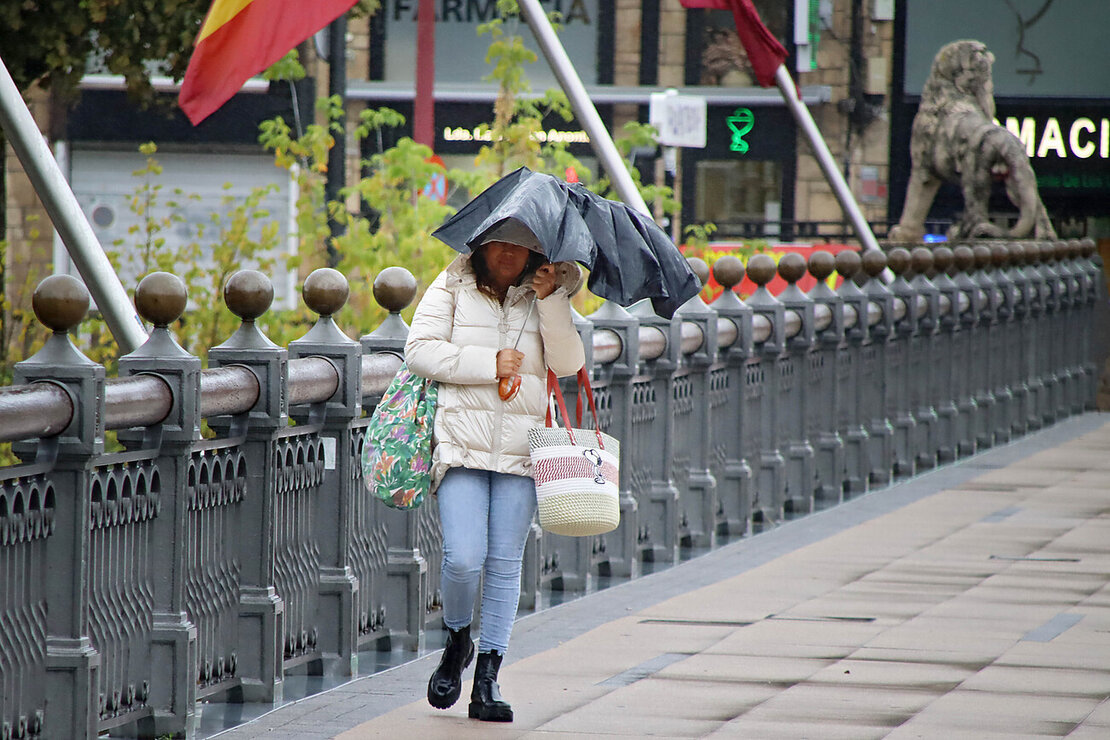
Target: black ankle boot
[445, 685]
[486, 703]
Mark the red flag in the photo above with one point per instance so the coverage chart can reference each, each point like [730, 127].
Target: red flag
[764, 51]
[241, 38]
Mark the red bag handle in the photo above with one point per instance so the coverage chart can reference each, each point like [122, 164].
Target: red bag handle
[583, 383]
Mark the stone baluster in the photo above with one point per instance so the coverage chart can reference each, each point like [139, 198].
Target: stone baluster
[1050, 335]
[982, 348]
[1032, 332]
[925, 388]
[161, 299]
[1088, 317]
[794, 387]
[1004, 351]
[873, 375]
[399, 554]
[1018, 331]
[769, 334]
[850, 390]
[627, 422]
[823, 392]
[966, 339]
[899, 352]
[1070, 345]
[946, 362]
[259, 623]
[653, 403]
[337, 608]
[734, 443]
[60, 302]
[695, 412]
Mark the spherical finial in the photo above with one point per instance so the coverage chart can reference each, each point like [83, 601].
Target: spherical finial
[761, 269]
[697, 264]
[1048, 251]
[921, 260]
[248, 294]
[161, 298]
[325, 291]
[1000, 255]
[792, 267]
[874, 262]
[394, 289]
[898, 260]
[1017, 252]
[60, 302]
[965, 258]
[943, 259]
[982, 256]
[1088, 245]
[848, 263]
[821, 265]
[728, 271]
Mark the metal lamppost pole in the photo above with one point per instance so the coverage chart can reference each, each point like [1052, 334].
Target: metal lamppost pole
[66, 215]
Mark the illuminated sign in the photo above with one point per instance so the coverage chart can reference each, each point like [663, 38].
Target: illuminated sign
[458, 133]
[1082, 137]
[740, 123]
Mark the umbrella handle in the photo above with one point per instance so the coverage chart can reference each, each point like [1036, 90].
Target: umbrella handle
[507, 388]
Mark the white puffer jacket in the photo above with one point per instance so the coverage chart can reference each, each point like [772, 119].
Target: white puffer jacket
[454, 339]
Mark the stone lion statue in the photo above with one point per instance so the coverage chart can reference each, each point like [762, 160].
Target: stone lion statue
[955, 139]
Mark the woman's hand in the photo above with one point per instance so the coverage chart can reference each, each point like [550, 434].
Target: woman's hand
[508, 362]
[543, 282]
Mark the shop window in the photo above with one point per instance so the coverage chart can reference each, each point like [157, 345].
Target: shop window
[738, 190]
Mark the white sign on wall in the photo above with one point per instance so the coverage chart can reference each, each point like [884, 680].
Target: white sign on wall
[679, 119]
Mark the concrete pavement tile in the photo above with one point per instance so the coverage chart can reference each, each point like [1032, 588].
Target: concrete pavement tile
[914, 730]
[960, 660]
[620, 713]
[854, 671]
[1043, 681]
[1011, 713]
[1100, 717]
[746, 728]
[869, 706]
[810, 631]
[743, 669]
[745, 645]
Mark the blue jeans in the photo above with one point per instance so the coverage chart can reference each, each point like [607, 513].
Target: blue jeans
[485, 517]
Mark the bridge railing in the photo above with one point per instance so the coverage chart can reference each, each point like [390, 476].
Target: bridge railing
[138, 582]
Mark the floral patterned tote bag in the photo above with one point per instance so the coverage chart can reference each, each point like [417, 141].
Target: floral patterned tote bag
[397, 455]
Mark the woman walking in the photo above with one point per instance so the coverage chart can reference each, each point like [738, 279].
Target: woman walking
[501, 312]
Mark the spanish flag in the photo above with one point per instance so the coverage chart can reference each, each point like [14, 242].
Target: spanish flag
[241, 38]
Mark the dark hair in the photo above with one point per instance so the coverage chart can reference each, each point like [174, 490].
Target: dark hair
[481, 270]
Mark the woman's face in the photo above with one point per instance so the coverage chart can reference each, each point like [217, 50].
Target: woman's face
[505, 262]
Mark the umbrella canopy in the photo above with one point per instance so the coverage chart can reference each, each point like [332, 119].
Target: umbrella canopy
[629, 257]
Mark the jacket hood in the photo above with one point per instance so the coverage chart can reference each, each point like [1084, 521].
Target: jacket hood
[567, 274]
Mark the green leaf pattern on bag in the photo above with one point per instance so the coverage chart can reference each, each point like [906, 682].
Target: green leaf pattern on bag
[397, 456]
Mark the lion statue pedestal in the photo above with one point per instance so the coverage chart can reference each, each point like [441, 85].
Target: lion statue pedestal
[955, 139]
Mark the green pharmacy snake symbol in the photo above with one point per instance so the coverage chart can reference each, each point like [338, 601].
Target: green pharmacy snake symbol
[741, 123]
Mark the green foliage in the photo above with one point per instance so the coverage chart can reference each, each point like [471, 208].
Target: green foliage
[237, 233]
[127, 37]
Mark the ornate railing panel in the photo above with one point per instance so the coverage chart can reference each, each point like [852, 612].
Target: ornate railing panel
[136, 583]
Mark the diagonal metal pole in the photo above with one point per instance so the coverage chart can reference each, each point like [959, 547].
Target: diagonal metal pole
[824, 158]
[583, 107]
[65, 213]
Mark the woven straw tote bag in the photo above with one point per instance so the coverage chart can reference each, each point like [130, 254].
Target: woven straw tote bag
[576, 470]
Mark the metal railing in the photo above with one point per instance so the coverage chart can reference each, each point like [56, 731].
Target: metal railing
[138, 582]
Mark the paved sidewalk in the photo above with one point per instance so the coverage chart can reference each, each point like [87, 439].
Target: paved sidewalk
[969, 602]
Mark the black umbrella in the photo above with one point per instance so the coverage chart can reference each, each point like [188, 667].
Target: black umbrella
[629, 257]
